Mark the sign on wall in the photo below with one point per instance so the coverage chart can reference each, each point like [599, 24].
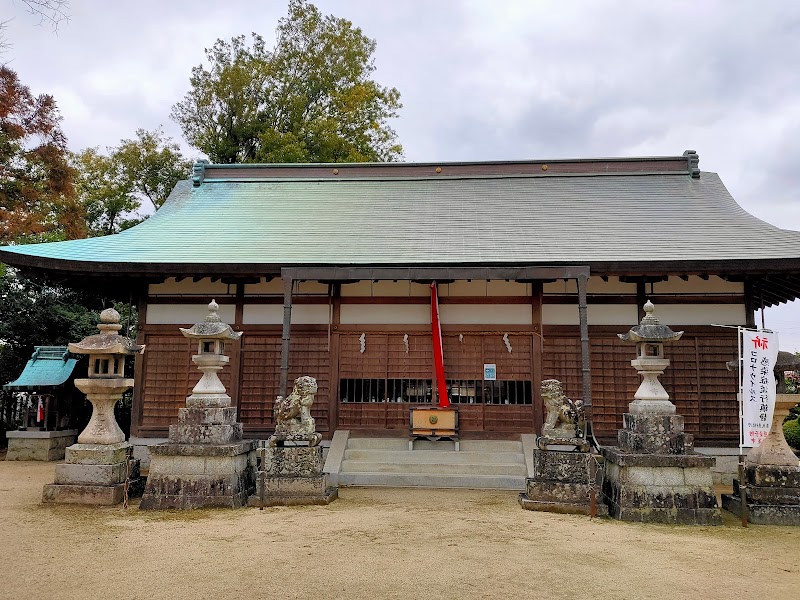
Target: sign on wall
[489, 372]
[759, 355]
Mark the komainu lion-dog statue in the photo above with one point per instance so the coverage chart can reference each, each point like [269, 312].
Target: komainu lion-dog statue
[293, 420]
[563, 424]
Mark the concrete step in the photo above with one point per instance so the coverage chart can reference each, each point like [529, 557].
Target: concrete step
[440, 446]
[505, 469]
[432, 456]
[488, 482]
[480, 464]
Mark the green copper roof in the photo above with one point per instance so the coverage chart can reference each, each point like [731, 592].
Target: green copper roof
[608, 218]
[50, 366]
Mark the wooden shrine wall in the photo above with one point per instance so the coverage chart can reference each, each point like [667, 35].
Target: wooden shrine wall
[168, 376]
[697, 381]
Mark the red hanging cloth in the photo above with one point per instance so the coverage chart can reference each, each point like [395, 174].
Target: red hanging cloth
[438, 354]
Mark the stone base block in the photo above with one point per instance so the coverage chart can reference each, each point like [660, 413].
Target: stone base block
[207, 416]
[164, 492]
[659, 488]
[293, 461]
[181, 433]
[561, 482]
[91, 474]
[657, 434]
[773, 476]
[556, 491]
[88, 476]
[552, 465]
[789, 496]
[39, 445]
[601, 510]
[186, 476]
[289, 491]
[98, 454]
[763, 514]
[105, 495]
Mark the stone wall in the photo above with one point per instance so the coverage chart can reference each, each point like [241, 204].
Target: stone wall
[39, 445]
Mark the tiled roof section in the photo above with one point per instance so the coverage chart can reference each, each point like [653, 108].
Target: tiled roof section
[601, 216]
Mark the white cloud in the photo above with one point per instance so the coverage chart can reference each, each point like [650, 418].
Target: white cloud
[483, 80]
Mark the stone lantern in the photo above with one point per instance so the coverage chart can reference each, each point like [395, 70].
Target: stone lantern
[206, 462]
[654, 474]
[106, 381]
[649, 336]
[211, 335]
[97, 467]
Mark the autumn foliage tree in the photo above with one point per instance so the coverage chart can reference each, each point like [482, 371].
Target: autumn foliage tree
[37, 191]
[309, 99]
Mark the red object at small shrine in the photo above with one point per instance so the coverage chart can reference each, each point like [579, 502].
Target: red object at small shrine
[438, 354]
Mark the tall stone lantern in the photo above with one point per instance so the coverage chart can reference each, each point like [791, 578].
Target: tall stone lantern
[96, 468]
[653, 474]
[649, 336]
[106, 380]
[206, 462]
[211, 335]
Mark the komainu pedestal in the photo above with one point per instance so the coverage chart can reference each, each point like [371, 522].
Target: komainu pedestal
[772, 475]
[292, 475]
[653, 474]
[205, 463]
[562, 482]
[289, 473]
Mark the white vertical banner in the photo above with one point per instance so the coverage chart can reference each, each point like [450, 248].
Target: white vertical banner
[759, 355]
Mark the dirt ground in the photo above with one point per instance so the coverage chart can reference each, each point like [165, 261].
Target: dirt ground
[372, 544]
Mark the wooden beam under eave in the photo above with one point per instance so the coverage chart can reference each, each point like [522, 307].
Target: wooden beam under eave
[780, 289]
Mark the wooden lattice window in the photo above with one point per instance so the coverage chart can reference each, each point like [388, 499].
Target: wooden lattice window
[169, 376]
[261, 369]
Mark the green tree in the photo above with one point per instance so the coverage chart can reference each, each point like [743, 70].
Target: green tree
[310, 99]
[113, 186]
[151, 164]
[107, 198]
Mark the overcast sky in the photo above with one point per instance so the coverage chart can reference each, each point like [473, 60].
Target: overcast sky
[480, 80]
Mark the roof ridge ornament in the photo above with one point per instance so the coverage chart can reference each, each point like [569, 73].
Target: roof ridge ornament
[199, 172]
[693, 161]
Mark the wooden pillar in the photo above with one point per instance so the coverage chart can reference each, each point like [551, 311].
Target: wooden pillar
[335, 290]
[288, 283]
[137, 403]
[641, 297]
[585, 351]
[537, 293]
[236, 348]
[750, 302]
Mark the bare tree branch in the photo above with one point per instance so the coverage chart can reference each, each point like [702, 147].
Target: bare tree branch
[53, 12]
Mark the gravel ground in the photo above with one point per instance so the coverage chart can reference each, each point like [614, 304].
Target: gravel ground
[373, 544]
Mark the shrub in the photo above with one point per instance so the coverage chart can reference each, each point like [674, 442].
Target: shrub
[791, 430]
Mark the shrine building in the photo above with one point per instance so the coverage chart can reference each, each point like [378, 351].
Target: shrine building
[538, 265]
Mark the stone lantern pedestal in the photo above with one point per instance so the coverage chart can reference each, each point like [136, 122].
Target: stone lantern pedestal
[205, 463]
[96, 469]
[772, 470]
[653, 474]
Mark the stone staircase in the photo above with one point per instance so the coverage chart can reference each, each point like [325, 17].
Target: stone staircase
[479, 464]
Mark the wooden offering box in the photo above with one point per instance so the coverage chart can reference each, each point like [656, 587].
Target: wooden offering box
[434, 423]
